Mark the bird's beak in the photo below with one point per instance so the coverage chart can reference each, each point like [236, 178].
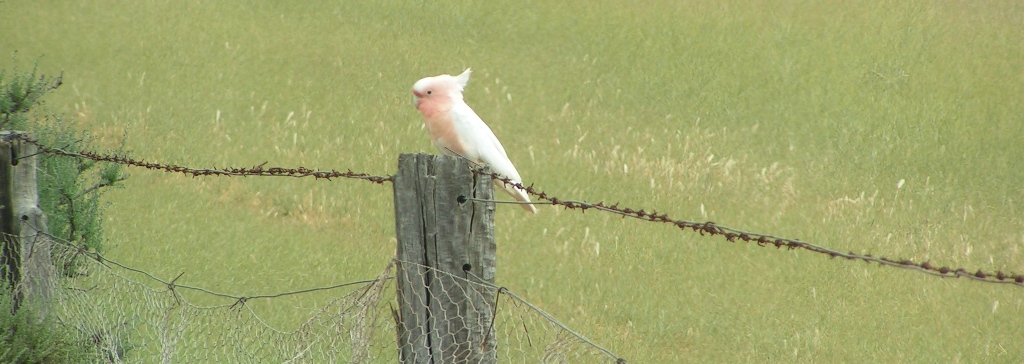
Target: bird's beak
[416, 99]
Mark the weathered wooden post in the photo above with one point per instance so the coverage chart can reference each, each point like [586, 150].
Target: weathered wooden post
[26, 261]
[443, 242]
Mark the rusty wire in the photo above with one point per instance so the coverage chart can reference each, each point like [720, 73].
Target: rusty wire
[704, 228]
[257, 170]
[710, 228]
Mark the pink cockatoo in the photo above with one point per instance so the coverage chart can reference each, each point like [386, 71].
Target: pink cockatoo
[456, 129]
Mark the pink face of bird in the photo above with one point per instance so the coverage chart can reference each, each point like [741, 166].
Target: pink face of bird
[436, 93]
[424, 89]
[432, 96]
[429, 96]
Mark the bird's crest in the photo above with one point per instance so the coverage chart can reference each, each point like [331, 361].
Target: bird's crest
[463, 78]
[452, 84]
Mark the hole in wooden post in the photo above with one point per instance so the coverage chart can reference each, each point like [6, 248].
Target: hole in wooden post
[461, 199]
[466, 267]
[24, 218]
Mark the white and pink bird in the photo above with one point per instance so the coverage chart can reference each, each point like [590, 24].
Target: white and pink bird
[456, 129]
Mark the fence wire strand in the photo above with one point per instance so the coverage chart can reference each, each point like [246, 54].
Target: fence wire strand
[708, 228]
[257, 170]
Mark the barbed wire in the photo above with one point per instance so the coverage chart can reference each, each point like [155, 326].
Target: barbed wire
[709, 228]
[257, 170]
[732, 235]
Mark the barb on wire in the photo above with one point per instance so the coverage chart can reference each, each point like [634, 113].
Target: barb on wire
[704, 228]
[732, 235]
[257, 170]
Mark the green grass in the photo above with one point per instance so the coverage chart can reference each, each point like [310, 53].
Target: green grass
[797, 119]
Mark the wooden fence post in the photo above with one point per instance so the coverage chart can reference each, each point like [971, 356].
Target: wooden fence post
[442, 245]
[26, 261]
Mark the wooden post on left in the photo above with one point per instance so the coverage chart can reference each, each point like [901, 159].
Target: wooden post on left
[25, 259]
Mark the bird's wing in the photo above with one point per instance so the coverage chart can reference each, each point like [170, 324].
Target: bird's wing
[480, 140]
[479, 137]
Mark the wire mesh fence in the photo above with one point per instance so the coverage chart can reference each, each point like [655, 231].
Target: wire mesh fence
[132, 316]
[508, 330]
[132, 319]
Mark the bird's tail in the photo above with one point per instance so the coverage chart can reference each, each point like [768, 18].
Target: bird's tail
[518, 194]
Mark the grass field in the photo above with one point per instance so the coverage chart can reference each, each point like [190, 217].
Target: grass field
[895, 128]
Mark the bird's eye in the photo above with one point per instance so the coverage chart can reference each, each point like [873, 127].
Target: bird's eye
[429, 92]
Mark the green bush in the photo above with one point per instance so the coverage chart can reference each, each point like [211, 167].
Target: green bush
[27, 337]
[69, 195]
[69, 188]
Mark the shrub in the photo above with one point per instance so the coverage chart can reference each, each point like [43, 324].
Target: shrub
[69, 188]
[69, 195]
[27, 337]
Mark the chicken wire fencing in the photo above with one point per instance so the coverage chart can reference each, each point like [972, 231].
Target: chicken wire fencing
[471, 321]
[132, 316]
